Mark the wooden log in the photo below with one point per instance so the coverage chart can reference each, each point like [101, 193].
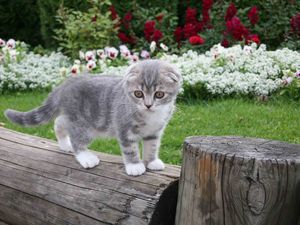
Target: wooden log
[39, 184]
[239, 181]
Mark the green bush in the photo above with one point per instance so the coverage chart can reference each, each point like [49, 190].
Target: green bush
[92, 29]
[47, 15]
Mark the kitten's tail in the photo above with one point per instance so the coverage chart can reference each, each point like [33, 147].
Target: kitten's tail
[37, 116]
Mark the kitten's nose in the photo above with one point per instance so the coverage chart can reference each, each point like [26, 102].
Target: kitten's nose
[148, 106]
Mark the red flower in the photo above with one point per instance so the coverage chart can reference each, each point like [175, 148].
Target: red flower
[152, 34]
[230, 12]
[199, 26]
[159, 17]
[207, 4]
[252, 38]
[128, 17]
[157, 35]
[190, 15]
[225, 43]
[189, 30]
[236, 29]
[196, 40]
[126, 20]
[149, 29]
[178, 33]
[126, 39]
[205, 17]
[113, 12]
[295, 23]
[253, 15]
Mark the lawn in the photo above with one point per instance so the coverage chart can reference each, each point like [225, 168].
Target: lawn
[276, 119]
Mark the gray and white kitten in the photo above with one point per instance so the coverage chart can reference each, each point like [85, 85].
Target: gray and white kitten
[133, 108]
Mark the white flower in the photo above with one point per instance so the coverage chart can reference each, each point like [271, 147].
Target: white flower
[81, 55]
[75, 69]
[11, 43]
[112, 53]
[247, 49]
[13, 54]
[89, 55]
[63, 71]
[2, 42]
[91, 65]
[125, 53]
[77, 62]
[164, 47]
[152, 46]
[145, 54]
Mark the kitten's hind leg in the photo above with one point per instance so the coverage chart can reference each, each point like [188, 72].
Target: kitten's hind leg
[80, 138]
[62, 134]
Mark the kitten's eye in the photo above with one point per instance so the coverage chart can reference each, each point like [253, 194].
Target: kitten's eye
[138, 94]
[159, 94]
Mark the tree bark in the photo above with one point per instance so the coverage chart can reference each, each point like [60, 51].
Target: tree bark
[239, 181]
[40, 185]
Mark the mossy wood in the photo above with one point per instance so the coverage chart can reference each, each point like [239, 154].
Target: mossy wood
[41, 185]
[239, 181]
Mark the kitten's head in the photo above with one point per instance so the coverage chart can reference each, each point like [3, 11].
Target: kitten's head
[152, 84]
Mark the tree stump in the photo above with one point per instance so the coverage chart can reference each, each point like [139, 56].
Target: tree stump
[239, 181]
[41, 185]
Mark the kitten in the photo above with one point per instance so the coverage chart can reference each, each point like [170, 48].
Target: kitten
[133, 108]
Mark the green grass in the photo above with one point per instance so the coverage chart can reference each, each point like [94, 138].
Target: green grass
[276, 119]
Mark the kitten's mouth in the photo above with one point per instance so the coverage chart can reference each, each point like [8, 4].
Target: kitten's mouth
[149, 110]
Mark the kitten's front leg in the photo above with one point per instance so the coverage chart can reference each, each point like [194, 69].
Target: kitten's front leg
[150, 153]
[131, 158]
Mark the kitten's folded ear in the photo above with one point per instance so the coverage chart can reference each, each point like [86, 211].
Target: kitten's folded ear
[174, 75]
[131, 72]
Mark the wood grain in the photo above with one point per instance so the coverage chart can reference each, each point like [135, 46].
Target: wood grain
[240, 181]
[39, 184]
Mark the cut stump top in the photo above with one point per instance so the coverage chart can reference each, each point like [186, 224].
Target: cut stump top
[244, 147]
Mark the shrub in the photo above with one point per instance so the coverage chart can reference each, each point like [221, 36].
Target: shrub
[86, 30]
[47, 13]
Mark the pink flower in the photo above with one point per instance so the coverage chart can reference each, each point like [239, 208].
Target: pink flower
[75, 69]
[112, 53]
[2, 43]
[145, 54]
[89, 55]
[11, 43]
[134, 58]
[125, 53]
[91, 65]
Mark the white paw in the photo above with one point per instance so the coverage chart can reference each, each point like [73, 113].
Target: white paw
[135, 169]
[65, 145]
[87, 159]
[156, 164]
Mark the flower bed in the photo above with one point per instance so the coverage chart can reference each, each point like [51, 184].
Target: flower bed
[23, 70]
[249, 70]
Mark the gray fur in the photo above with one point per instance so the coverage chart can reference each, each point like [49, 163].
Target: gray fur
[92, 106]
